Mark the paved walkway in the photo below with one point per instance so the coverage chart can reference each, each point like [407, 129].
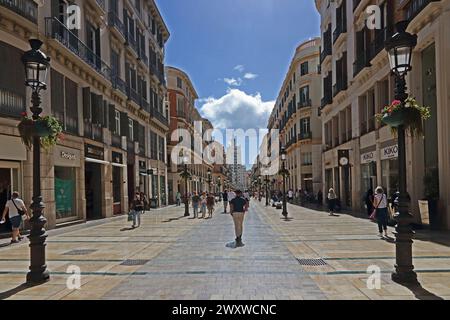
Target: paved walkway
[172, 257]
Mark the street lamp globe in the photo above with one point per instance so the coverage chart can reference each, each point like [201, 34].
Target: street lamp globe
[36, 65]
[283, 153]
[399, 48]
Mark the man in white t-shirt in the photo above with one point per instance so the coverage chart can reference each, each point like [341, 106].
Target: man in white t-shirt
[12, 208]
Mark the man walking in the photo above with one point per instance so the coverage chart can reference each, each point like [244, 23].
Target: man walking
[15, 208]
[238, 207]
[225, 201]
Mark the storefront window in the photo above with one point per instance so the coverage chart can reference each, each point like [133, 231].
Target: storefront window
[117, 184]
[389, 169]
[162, 187]
[368, 177]
[65, 182]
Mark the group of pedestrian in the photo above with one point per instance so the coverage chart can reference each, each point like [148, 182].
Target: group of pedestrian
[203, 203]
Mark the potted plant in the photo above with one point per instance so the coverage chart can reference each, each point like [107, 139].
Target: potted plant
[431, 184]
[409, 114]
[47, 128]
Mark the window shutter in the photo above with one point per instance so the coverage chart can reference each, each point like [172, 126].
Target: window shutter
[124, 124]
[136, 130]
[112, 118]
[105, 114]
[97, 45]
[87, 104]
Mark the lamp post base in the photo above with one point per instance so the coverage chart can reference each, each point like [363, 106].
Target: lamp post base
[407, 277]
[37, 277]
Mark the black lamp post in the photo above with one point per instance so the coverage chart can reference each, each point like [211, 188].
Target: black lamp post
[36, 65]
[219, 184]
[266, 184]
[399, 48]
[185, 176]
[209, 179]
[283, 172]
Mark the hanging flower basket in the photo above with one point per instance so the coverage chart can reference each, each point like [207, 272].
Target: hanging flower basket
[48, 129]
[410, 115]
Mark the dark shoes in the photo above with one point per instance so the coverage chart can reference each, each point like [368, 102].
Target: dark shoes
[14, 241]
[239, 242]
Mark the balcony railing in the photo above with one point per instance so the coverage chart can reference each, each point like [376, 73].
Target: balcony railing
[116, 141]
[159, 116]
[133, 95]
[414, 7]
[362, 61]
[119, 84]
[305, 135]
[340, 29]
[58, 31]
[143, 57]
[114, 21]
[131, 42]
[145, 104]
[25, 8]
[326, 100]
[327, 51]
[380, 38]
[93, 131]
[304, 103]
[11, 104]
[338, 87]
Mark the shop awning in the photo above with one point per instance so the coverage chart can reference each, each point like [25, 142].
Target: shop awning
[96, 161]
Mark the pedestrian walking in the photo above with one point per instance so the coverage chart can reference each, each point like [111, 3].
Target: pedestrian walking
[225, 201]
[246, 196]
[381, 211]
[331, 198]
[231, 196]
[210, 202]
[320, 198]
[238, 208]
[203, 204]
[145, 203]
[290, 195]
[15, 208]
[137, 207]
[178, 198]
[195, 204]
[369, 199]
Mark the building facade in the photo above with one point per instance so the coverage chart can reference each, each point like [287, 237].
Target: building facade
[184, 115]
[296, 116]
[106, 86]
[357, 84]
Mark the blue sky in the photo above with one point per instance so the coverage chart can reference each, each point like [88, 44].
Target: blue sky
[237, 52]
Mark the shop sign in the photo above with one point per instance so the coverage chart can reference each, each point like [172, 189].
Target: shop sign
[368, 157]
[142, 168]
[389, 152]
[117, 157]
[94, 152]
[66, 157]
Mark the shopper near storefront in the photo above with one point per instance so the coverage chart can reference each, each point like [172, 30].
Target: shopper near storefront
[203, 204]
[178, 198]
[331, 198]
[15, 208]
[195, 204]
[369, 198]
[210, 202]
[137, 207]
[381, 215]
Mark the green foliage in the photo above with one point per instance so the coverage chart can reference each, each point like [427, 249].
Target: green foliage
[47, 128]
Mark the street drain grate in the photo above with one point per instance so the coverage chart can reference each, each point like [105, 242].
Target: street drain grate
[312, 262]
[79, 252]
[134, 262]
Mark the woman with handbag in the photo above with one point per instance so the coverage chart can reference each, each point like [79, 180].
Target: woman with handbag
[381, 211]
[15, 208]
[331, 199]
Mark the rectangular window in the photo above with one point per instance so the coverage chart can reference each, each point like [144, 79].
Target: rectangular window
[305, 126]
[179, 83]
[117, 121]
[130, 130]
[161, 148]
[304, 68]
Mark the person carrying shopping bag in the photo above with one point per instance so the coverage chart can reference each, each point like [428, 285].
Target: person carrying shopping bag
[203, 204]
[137, 207]
[195, 204]
[380, 213]
[210, 201]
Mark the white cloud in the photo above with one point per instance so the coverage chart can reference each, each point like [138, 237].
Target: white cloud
[239, 68]
[237, 110]
[233, 82]
[250, 76]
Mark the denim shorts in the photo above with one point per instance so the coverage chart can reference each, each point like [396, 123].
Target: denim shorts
[15, 221]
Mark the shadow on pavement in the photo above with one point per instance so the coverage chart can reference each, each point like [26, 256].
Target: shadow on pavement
[232, 245]
[173, 219]
[16, 290]
[127, 229]
[421, 293]
[435, 236]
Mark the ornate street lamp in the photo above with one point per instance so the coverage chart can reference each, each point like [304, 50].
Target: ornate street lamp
[266, 184]
[36, 65]
[400, 47]
[219, 184]
[185, 175]
[284, 173]
[209, 179]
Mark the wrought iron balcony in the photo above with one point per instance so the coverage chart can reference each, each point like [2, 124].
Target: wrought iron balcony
[327, 99]
[378, 44]
[327, 51]
[119, 84]
[340, 29]
[305, 135]
[25, 8]
[116, 141]
[131, 42]
[159, 116]
[133, 95]
[304, 103]
[414, 7]
[143, 57]
[362, 61]
[93, 131]
[114, 21]
[338, 87]
[11, 104]
[56, 30]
